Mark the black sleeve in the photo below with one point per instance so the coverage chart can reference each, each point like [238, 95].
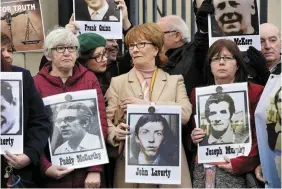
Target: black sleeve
[37, 122]
[124, 63]
[201, 41]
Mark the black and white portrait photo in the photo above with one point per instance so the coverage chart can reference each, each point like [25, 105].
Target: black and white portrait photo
[11, 137]
[223, 113]
[96, 10]
[10, 107]
[73, 128]
[235, 17]
[236, 20]
[154, 140]
[153, 147]
[76, 138]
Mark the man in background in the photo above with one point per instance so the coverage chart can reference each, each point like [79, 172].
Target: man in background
[271, 47]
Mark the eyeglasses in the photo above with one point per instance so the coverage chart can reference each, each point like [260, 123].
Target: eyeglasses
[138, 45]
[99, 58]
[217, 59]
[62, 49]
[67, 119]
[172, 31]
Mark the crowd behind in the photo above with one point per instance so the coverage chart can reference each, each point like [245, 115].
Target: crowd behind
[172, 66]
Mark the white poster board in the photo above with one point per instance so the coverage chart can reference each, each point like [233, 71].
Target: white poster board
[100, 17]
[223, 113]
[12, 112]
[76, 139]
[237, 21]
[153, 149]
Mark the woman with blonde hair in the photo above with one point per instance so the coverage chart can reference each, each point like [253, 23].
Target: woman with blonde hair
[145, 83]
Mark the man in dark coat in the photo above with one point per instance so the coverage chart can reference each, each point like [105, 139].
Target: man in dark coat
[98, 10]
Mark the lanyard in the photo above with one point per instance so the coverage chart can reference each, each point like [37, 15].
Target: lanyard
[153, 82]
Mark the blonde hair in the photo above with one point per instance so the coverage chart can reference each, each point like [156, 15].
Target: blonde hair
[151, 32]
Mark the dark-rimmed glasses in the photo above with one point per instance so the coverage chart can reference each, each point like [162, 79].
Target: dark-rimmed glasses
[217, 59]
[172, 31]
[138, 45]
[99, 57]
[62, 49]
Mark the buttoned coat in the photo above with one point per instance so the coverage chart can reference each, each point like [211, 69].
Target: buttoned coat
[167, 90]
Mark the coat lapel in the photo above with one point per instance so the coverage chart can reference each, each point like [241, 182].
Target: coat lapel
[158, 85]
[134, 83]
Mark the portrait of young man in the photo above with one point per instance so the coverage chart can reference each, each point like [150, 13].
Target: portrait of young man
[9, 108]
[153, 142]
[74, 121]
[96, 10]
[234, 17]
[219, 109]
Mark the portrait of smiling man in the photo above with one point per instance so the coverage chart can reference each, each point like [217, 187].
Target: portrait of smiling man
[96, 10]
[219, 109]
[8, 109]
[152, 136]
[234, 17]
[74, 121]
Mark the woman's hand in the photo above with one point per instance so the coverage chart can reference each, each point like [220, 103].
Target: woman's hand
[17, 161]
[125, 21]
[72, 25]
[258, 173]
[121, 131]
[57, 172]
[132, 100]
[93, 180]
[227, 166]
[197, 135]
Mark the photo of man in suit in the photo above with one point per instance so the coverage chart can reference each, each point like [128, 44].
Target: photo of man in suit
[96, 10]
[153, 136]
[74, 120]
[219, 109]
[234, 17]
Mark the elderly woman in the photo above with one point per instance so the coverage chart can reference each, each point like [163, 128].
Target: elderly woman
[63, 74]
[225, 65]
[145, 45]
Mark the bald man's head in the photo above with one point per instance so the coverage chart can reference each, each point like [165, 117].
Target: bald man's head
[270, 43]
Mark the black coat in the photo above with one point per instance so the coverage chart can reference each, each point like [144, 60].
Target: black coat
[82, 13]
[183, 61]
[36, 126]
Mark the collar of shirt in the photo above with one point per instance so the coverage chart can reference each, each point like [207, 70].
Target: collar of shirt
[100, 13]
[84, 144]
[142, 159]
[227, 137]
[274, 67]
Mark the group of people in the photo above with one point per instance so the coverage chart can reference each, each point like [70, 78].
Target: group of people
[160, 67]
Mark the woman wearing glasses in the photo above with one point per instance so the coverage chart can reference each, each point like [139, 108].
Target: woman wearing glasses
[145, 83]
[64, 74]
[225, 65]
[94, 56]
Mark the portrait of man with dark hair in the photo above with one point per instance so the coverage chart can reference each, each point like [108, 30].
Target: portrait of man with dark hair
[96, 10]
[9, 109]
[234, 17]
[219, 109]
[153, 142]
[74, 121]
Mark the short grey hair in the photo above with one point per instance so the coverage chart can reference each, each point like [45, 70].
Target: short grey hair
[59, 36]
[177, 23]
